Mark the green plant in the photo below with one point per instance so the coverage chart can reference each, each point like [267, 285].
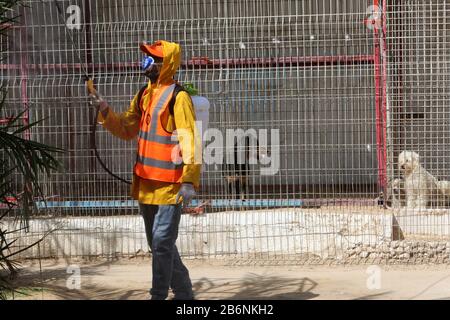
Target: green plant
[18, 156]
[189, 87]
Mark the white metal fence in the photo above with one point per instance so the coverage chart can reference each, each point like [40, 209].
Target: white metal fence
[348, 85]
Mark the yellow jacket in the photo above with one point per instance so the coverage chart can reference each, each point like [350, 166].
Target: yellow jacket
[126, 126]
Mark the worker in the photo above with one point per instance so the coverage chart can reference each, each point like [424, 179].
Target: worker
[166, 172]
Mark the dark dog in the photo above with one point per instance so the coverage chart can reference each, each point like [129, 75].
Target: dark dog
[237, 174]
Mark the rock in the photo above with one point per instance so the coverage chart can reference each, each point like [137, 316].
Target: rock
[392, 252]
[394, 244]
[404, 256]
[364, 254]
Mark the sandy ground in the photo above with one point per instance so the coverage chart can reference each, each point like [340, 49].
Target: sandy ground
[216, 279]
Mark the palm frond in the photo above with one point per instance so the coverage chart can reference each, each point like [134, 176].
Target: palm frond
[18, 156]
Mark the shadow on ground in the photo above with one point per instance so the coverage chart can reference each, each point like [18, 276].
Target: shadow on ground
[254, 287]
[52, 283]
[376, 296]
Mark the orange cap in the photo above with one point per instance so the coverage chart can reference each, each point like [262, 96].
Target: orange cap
[155, 49]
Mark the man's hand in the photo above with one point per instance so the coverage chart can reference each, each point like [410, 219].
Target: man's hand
[187, 191]
[97, 101]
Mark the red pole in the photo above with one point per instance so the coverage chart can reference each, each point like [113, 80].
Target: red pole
[384, 92]
[205, 62]
[24, 72]
[380, 103]
[28, 188]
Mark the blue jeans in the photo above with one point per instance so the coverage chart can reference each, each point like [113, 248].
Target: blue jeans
[161, 227]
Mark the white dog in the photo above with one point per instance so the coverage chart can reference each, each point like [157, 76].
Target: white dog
[420, 185]
[444, 187]
[396, 196]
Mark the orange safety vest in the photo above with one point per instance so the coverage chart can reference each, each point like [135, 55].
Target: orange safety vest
[159, 154]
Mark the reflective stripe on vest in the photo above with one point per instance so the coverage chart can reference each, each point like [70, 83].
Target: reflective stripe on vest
[161, 164]
[157, 149]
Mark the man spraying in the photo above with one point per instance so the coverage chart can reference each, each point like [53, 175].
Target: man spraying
[165, 171]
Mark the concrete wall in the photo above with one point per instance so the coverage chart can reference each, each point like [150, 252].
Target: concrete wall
[304, 236]
[233, 233]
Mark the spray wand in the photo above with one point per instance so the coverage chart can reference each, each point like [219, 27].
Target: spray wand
[92, 91]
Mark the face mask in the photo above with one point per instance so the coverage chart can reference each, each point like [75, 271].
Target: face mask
[150, 68]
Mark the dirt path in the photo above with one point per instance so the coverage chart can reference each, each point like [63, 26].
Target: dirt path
[130, 279]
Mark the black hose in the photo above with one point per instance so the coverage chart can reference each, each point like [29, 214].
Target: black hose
[94, 147]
